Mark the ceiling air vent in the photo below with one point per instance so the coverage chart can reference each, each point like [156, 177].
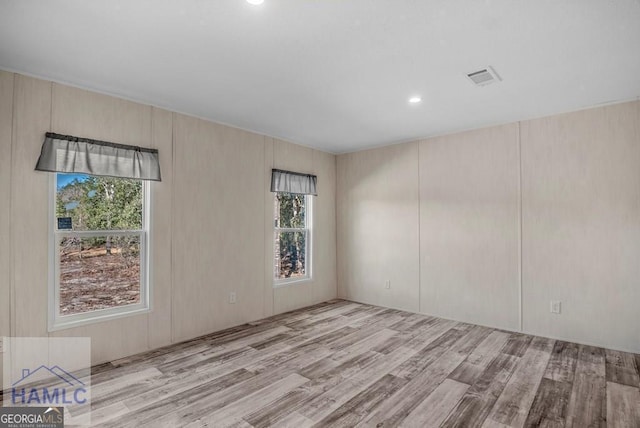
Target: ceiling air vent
[484, 77]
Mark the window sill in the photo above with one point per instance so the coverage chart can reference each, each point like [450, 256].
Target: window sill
[286, 283]
[96, 317]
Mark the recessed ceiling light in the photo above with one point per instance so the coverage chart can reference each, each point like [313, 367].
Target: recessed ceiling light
[255, 2]
[415, 99]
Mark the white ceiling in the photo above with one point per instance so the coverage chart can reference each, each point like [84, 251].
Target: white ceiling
[334, 75]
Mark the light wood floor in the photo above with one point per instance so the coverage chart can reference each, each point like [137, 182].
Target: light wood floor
[345, 364]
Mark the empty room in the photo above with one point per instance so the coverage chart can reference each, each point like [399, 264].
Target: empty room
[320, 213]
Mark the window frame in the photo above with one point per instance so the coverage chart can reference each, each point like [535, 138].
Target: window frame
[56, 321]
[308, 230]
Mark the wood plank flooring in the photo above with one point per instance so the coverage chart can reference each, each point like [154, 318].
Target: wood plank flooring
[344, 364]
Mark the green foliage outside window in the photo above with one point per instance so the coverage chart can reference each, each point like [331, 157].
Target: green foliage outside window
[103, 203]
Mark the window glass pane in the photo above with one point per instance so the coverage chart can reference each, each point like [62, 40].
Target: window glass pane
[290, 210]
[99, 273]
[98, 203]
[291, 248]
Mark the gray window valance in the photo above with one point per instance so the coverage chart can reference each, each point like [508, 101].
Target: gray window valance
[293, 182]
[65, 153]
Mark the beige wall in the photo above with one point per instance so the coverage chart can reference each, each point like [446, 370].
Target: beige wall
[210, 217]
[6, 117]
[378, 223]
[510, 218]
[581, 225]
[469, 225]
[218, 226]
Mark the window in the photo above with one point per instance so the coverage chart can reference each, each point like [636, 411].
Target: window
[99, 248]
[292, 237]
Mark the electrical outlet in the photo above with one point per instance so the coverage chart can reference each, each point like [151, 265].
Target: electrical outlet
[556, 306]
[387, 284]
[232, 297]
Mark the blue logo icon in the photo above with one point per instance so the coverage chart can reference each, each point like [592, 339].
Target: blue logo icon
[28, 391]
